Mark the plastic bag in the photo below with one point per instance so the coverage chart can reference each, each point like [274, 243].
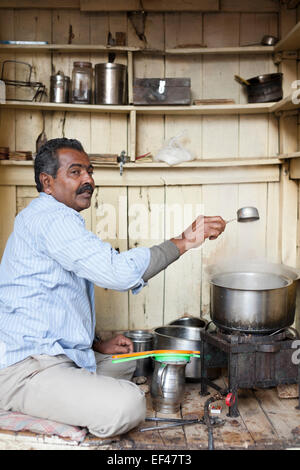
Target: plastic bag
[173, 152]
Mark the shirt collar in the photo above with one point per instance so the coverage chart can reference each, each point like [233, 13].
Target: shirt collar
[51, 199]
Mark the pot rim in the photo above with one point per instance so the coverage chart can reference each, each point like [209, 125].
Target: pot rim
[139, 335]
[183, 320]
[266, 76]
[255, 265]
[288, 284]
[181, 328]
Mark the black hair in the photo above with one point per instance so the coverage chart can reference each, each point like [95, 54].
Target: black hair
[46, 160]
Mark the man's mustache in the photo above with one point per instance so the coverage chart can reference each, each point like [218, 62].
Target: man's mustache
[85, 187]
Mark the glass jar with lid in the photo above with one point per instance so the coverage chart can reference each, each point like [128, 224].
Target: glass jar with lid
[82, 76]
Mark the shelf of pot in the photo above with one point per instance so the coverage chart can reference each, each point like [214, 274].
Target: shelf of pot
[291, 42]
[74, 48]
[290, 103]
[203, 163]
[225, 109]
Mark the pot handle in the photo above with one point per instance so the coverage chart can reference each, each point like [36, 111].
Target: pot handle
[160, 377]
[241, 80]
[294, 331]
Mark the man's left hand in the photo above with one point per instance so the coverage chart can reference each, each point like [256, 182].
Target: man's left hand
[117, 345]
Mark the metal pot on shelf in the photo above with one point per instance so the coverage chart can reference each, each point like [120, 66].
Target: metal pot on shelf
[263, 88]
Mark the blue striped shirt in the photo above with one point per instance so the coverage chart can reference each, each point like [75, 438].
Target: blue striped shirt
[47, 273]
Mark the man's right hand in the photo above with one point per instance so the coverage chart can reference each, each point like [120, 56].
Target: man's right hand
[119, 344]
[201, 229]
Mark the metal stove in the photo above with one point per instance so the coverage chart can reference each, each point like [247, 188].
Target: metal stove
[252, 360]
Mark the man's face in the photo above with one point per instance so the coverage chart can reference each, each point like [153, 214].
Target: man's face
[74, 183]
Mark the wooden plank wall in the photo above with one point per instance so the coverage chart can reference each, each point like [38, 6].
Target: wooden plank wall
[184, 287]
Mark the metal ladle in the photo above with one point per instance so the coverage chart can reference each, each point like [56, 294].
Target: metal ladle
[245, 214]
[267, 40]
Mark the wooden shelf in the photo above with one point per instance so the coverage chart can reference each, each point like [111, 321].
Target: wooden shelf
[74, 48]
[212, 171]
[289, 156]
[126, 109]
[291, 42]
[211, 163]
[222, 50]
[206, 109]
[84, 108]
[204, 163]
[286, 104]
[67, 48]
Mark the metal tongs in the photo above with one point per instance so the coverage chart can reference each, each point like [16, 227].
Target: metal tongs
[174, 422]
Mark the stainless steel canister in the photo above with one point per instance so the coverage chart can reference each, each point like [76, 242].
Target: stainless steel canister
[110, 83]
[59, 88]
[142, 341]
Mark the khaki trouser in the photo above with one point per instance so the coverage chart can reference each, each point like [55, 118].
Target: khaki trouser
[53, 387]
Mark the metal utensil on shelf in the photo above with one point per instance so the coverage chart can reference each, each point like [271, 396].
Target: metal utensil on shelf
[245, 214]
[264, 88]
[59, 88]
[267, 40]
[29, 90]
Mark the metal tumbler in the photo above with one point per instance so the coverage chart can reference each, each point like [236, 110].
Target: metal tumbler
[142, 341]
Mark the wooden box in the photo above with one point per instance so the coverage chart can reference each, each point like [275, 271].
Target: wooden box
[162, 91]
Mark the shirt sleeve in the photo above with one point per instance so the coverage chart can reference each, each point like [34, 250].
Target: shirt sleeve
[76, 249]
[161, 256]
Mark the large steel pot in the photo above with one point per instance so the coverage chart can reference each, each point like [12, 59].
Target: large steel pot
[252, 302]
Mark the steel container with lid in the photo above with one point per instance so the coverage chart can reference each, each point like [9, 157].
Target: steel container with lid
[59, 88]
[110, 83]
